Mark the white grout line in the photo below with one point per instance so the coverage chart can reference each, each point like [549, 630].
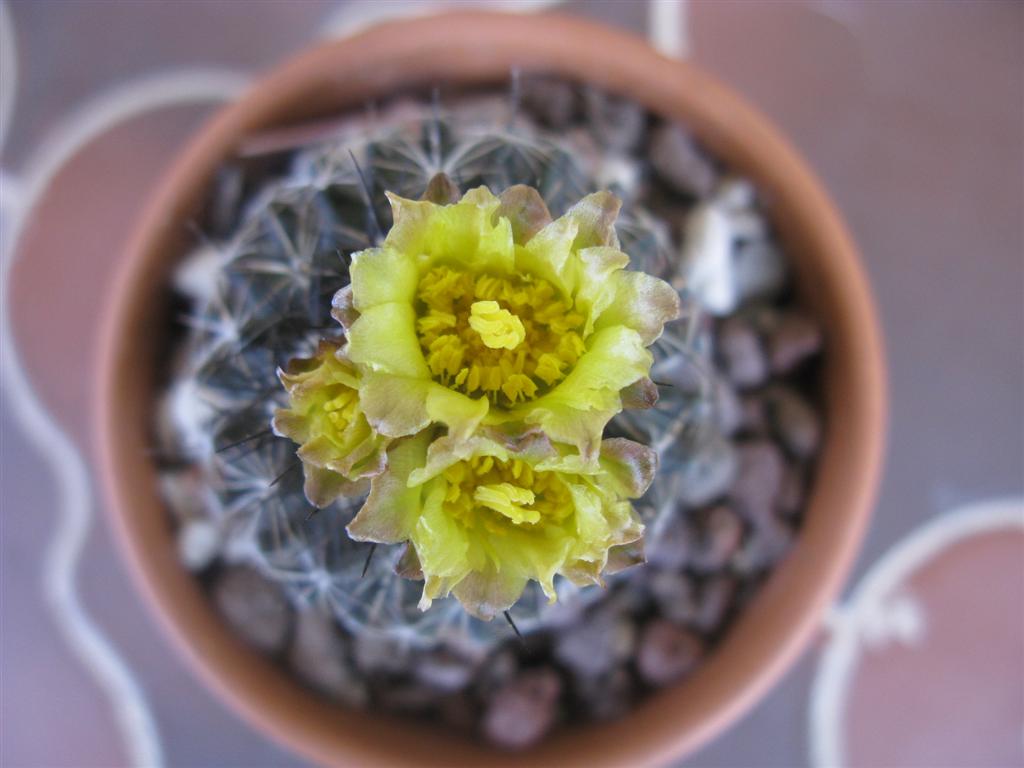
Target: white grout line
[668, 27]
[84, 638]
[850, 625]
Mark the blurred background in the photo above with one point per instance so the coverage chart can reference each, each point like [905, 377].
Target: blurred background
[912, 113]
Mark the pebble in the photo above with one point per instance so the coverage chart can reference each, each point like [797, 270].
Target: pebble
[754, 418]
[678, 162]
[735, 194]
[720, 534]
[523, 711]
[795, 421]
[708, 259]
[716, 598]
[759, 270]
[728, 408]
[748, 225]
[667, 652]
[741, 355]
[796, 338]
[769, 541]
[374, 654]
[496, 671]
[792, 493]
[618, 174]
[617, 123]
[197, 274]
[553, 102]
[758, 479]
[198, 543]
[592, 648]
[318, 656]
[607, 697]
[708, 474]
[255, 607]
[443, 670]
[674, 595]
[669, 547]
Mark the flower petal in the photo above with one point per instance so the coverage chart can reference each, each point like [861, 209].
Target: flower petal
[384, 339]
[623, 556]
[642, 302]
[383, 275]
[595, 218]
[441, 543]
[441, 190]
[641, 394]
[486, 594]
[322, 486]
[547, 254]
[526, 211]
[343, 308]
[390, 512]
[395, 406]
[631, 465]
[578, 409]
[461, 414]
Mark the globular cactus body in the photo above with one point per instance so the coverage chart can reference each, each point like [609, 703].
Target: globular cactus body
[261, 296]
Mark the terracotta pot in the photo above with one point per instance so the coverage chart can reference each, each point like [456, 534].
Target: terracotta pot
[479, 48]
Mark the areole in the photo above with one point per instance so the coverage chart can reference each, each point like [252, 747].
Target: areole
[471, 49]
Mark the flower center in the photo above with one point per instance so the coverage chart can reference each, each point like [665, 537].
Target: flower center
[510, 339]
[504, 494]
[340, 409]
[498, 328]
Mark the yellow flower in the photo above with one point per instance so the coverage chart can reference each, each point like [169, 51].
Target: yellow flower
[339, 450]
[487, 514]
[487, 312]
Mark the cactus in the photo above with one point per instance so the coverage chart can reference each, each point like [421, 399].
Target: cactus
[261, 296]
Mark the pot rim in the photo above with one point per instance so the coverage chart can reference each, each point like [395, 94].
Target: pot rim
[779, 623]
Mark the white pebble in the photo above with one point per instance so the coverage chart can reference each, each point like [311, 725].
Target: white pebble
[198, 544]
[197, 275]
[707, 259]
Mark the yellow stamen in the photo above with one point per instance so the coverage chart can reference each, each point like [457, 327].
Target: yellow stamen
[498, 328]
[508, 499]
[510, 339]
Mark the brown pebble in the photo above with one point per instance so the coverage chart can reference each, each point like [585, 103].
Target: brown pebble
[753, 416]
[670, 549]
[678, 162]
[552, 101]
[520, 714]
[674, 595]
[720, 532]
[758, 479]
[795, 339]
[255, 607]
[317, 655]
[716, 598]
[594, 646]
[609, 696]
[741, 354]
[667, 652]
[795, 421]
[793, 491]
